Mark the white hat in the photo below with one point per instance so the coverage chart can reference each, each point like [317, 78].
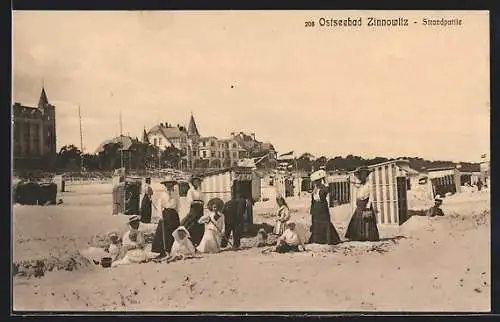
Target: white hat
[175, 234]
[318, 175]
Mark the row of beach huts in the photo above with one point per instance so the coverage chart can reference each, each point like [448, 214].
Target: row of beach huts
[394, 184]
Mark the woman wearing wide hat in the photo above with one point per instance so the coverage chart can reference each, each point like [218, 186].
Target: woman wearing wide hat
[169, 205]
[195, 199]
[363, 224]
[322, 229]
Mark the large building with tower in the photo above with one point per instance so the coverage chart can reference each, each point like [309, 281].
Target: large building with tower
[207, 151]
[34, 135]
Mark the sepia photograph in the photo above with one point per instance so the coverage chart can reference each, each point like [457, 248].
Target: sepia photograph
[245, 161]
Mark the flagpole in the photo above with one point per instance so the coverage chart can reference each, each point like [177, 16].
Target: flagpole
[121, 134]
[81, 136]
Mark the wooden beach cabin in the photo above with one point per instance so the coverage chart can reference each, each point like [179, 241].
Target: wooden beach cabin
[445, 180]
[389, 191]
[289, 184]
[222, 183]
[339, 188]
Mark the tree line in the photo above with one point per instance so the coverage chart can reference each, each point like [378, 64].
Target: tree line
[142, 156]
[139, 156]
[349, 163]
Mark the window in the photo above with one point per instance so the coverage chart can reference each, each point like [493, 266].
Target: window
[159, 141]
[26, 138]
[204, 143]
[17, 141]
[213, 154]
[212, 144]
[36, 139]
[155, 142]
[235, 154]
[204, 154]
[234, 145]
[222, 153]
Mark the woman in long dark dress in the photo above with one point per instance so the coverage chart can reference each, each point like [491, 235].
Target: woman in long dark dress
[322, 229]
[169, 204]
[363, 224]
[146, 204]
[195, 199]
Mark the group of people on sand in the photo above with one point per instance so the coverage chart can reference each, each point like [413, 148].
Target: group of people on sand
[362, 226]
[210, 231]
[199, 232]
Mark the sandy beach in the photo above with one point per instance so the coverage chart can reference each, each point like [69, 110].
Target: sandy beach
[426, 264]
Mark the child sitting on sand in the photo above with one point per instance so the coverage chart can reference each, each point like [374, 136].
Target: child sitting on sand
[261, 238]
[182, 247]
[290, 240]
[114, 248]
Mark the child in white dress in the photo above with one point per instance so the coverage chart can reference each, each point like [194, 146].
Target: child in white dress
[214, 227]
[182, 247]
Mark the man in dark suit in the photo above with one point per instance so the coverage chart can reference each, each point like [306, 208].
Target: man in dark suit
[436, 209]
[233, 212]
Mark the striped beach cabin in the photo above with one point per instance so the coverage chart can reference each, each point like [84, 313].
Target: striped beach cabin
[222, 183]
[389, 191]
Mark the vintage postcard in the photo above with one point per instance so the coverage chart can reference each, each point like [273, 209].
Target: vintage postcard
[324, 161]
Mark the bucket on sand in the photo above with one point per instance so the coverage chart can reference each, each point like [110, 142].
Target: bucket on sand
[106, 261]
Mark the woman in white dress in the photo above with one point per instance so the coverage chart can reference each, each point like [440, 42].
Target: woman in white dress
[214, 227]
[169, 204]
[132, 250]
[282, 216]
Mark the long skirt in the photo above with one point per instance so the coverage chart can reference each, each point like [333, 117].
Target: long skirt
[361, 228]
[211, 242]
[190, 222]
[146, 210]
[323, 232]
[322, 229]
[163, 239]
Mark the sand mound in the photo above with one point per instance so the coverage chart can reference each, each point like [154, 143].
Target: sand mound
[355, 248]
[473, 220]
[417, 223]
[38, 267]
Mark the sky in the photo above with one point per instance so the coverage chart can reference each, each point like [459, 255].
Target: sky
[408, 91]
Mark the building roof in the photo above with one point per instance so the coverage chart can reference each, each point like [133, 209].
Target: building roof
[26, 111]
[32, 111]
[43, 101]
[267, 146]
[208, 138]
[192, 128]
[401, 163]
[145, 138]
[125, 141]
[441, 169]
[237, 169]
[167, 132]
[468, 167]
